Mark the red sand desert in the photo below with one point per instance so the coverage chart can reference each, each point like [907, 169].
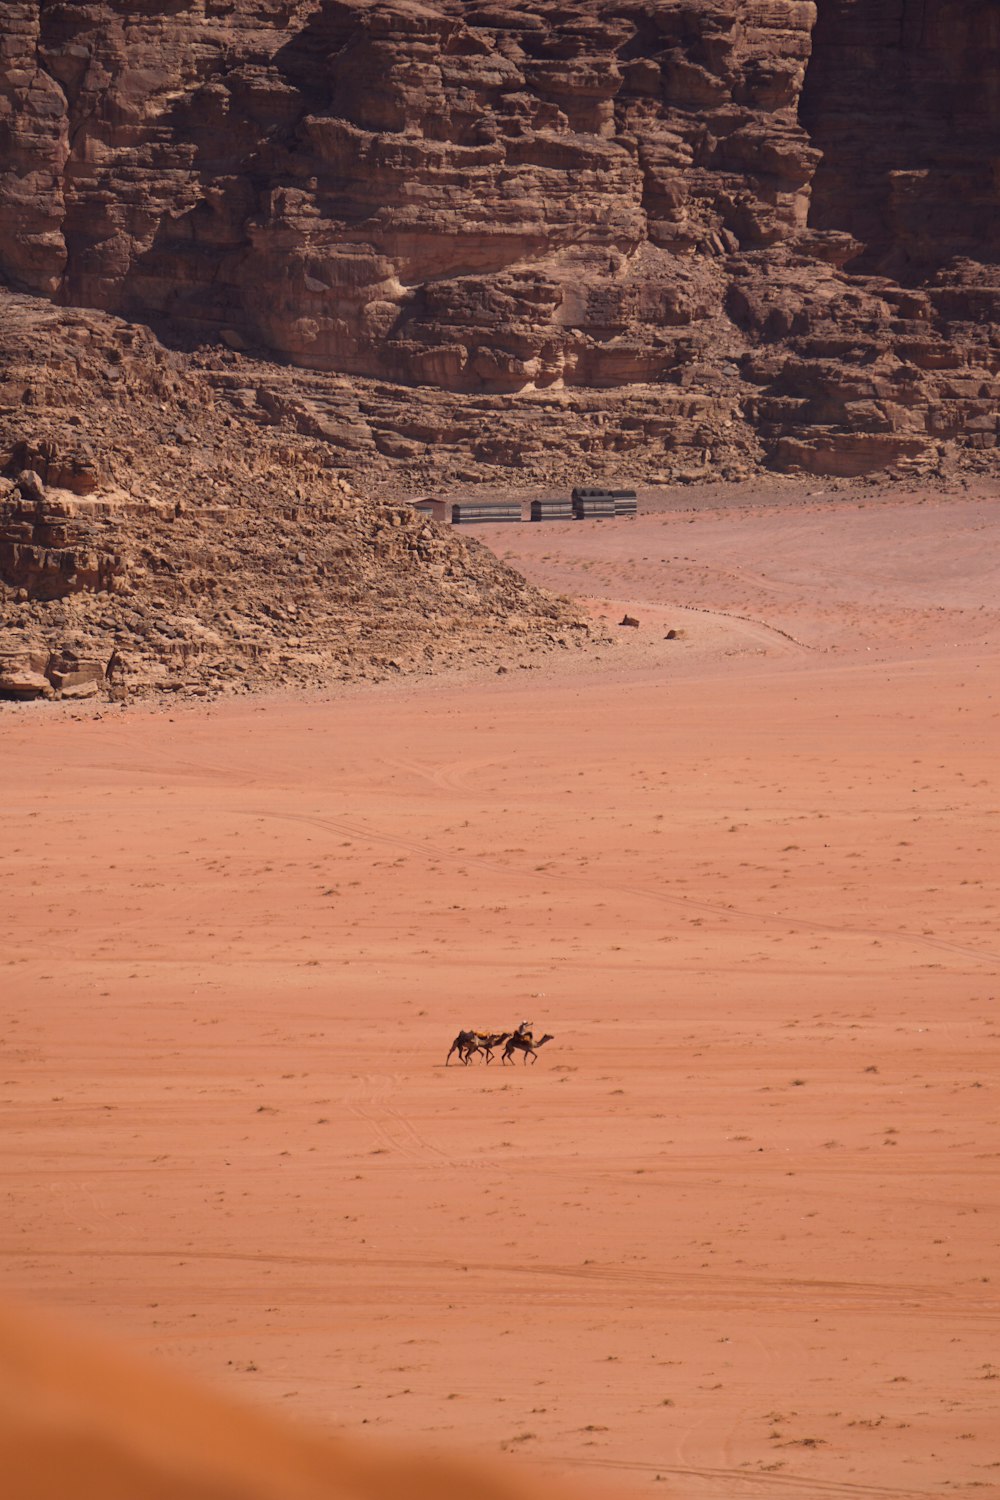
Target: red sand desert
[736, 1230]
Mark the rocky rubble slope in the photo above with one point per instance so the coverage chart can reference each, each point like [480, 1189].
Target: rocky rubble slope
[153, 538]
[646, 238]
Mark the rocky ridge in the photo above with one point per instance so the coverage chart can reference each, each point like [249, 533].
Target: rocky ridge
[154, 539]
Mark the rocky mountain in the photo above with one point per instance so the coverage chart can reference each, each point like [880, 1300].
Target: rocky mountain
[647, 234]
[338, 251]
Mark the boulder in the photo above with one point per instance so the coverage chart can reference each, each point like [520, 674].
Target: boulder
[23, 673]
[30, 485]
[76, 675]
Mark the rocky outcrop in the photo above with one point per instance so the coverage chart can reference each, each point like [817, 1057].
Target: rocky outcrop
[52, 544]
[31, 670]
[212, 552]
[473, 198]
[773, 214]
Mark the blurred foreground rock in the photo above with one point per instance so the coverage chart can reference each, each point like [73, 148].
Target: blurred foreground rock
[79, 1418]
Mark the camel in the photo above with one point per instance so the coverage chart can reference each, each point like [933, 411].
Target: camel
[462, 1041]
[468, 1043]
[525, 1045]
[484, 1042]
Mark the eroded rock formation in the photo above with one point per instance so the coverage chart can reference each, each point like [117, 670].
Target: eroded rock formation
[471, 197]
[766, 227]
[154, 537]
[390, 245]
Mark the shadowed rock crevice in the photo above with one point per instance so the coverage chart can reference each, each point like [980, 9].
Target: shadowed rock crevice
[902, 97]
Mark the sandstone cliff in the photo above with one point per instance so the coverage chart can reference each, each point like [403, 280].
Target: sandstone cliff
[335, 251]
[901, 99]
[648, 235]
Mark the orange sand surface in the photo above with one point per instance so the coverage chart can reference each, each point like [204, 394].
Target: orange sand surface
[737, 1228]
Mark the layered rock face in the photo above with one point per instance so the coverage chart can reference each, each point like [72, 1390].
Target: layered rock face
[695, 231]
[468, 197]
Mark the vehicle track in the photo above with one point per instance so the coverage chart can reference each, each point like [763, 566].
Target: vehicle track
[684, 903]
[749, 1482]
[450, 777]
[759, 629]
[683, 1290]
[392, 1129]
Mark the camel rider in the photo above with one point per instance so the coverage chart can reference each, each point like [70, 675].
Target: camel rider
[523, 1032]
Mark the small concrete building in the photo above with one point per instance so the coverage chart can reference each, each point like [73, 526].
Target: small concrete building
[435, 510]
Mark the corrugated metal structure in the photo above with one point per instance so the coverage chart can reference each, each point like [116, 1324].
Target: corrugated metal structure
[479, 512]
[593, 505]
[552, 510]
[586, 504]
[581, 493]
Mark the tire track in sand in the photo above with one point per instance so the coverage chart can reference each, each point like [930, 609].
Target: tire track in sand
[684, 903]
[746, 1481]
[396, 1132]
[686, 1290]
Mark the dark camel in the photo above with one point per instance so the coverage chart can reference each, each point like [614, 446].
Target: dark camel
[462, 1041]
[468, 1043]
[484, 1042]
[525, 1045]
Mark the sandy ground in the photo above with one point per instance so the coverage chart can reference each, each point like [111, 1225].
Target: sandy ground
[736, 1230]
